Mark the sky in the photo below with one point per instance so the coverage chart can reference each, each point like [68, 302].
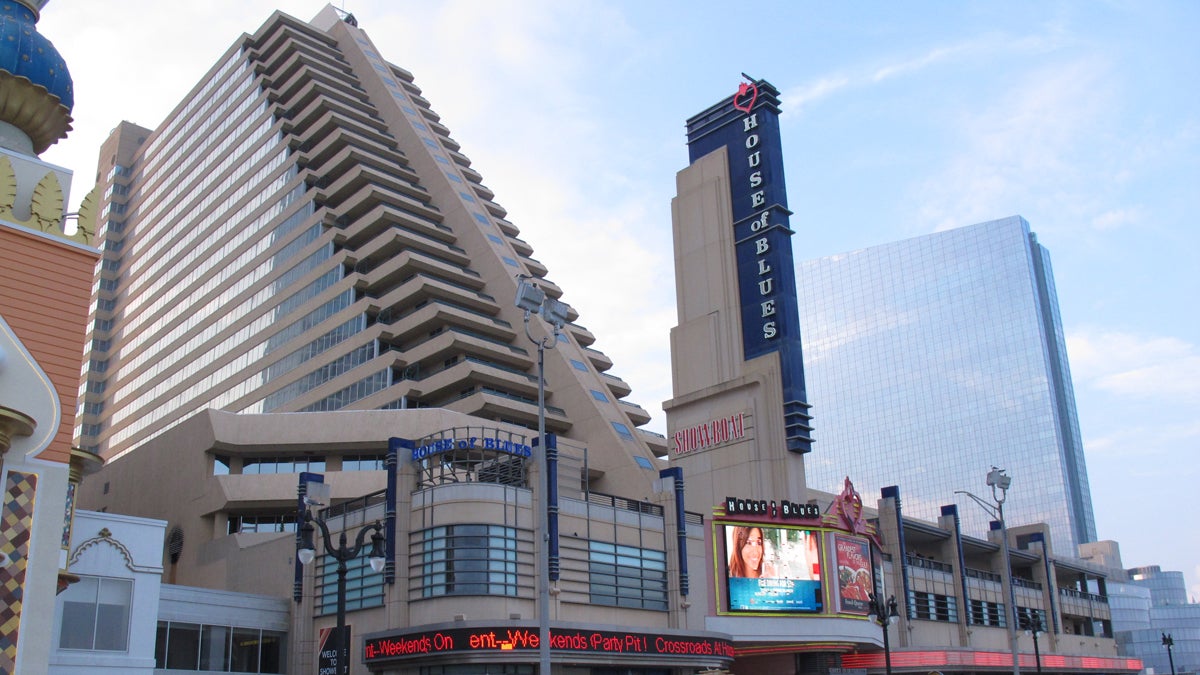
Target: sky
[899, 119]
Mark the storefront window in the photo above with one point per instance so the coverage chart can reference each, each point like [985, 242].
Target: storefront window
[219, 649]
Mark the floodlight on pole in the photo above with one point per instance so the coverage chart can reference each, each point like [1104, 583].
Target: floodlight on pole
[533, 299]
[1035, 630]
[1000, 482]
[1169, 643]
[884, 614]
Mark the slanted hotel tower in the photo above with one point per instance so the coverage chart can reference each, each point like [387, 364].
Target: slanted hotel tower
[302, 234]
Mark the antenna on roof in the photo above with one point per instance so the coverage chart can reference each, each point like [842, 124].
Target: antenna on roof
[346, 16]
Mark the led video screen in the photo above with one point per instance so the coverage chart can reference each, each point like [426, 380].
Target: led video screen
[772, 569]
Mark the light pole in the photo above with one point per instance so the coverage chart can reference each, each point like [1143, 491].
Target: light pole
[1169, 642]
[999, 482]
[1034, 628]
[533, 299]
[305, 553]
[884, 614]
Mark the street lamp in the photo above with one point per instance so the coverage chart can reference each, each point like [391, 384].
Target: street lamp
[1169, 642]
[884, 614]
[999, 482]
[1034, 628]
[533, 299]
[305, 553]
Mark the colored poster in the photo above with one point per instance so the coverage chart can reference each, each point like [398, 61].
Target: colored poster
[332, 650]
[854, 574]
[773, 569]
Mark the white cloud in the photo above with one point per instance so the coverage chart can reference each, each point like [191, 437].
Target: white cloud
[1019, 149]
[1117, 218]
[1134, 366]
[922, 62]
[795, 99]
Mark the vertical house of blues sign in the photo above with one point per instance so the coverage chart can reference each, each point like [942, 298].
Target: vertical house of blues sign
[747, 124]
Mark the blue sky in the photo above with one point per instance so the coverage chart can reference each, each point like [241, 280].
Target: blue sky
[900, 119]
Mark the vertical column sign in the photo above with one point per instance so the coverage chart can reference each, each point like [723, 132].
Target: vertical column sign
[747, 124]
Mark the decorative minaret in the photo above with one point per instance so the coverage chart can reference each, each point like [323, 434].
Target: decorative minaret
[36, 97]
[45, 289]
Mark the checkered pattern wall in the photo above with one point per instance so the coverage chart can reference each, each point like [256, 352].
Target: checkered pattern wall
[16, 522]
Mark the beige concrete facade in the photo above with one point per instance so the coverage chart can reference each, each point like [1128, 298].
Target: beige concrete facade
[322, 245]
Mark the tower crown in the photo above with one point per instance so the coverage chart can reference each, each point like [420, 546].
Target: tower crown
[36, 91]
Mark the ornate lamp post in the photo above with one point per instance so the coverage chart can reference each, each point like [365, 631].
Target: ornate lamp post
[999, 482]
[533, 299]
[1034, 628]
[305, 553]
[884, 614]
[1169, 642]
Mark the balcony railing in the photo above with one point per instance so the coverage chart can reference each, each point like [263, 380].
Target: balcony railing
[929, 564]
[1083, 595]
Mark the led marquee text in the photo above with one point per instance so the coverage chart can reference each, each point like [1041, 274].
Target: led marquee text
[517, 639]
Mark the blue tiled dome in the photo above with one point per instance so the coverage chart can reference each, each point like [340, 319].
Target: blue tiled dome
[25, 53]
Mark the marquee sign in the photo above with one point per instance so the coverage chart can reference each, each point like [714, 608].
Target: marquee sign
[471, 443]
[522, 639]
[747, 125]
[735, 506]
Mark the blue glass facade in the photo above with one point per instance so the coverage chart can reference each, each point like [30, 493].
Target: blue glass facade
[1157, 606]
[931, 360]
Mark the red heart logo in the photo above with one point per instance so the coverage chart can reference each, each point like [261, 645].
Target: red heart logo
[745, 97]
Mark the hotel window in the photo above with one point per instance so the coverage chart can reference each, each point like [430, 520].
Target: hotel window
[281, 522]
[470, 559]
[364, 462]
[579, 365]
[364, 586]
[599, 396]
[627, 576]
[623, 431]
[984, 613]
[268, 465]
[95, 614]
[221, 649]
[934, 607]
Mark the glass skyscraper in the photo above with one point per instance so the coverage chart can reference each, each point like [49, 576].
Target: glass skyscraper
[931, 360]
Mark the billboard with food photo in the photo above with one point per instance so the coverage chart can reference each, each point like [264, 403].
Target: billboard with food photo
[853, 557]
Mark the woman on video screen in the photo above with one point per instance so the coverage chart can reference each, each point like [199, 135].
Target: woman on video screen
[746, 558]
